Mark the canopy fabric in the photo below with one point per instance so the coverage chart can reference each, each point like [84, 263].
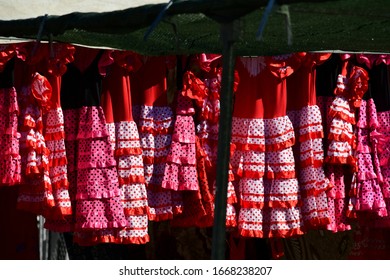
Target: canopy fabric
[191, 26]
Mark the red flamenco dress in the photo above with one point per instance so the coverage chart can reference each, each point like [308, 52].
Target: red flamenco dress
[43, 130]
[92, 168]
[35, 91]
[341, 158]
[263, 160]
[305, 115]
[124, 137]
[155, 120]
[202, 83]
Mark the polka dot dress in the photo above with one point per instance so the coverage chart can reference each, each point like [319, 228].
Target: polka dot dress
[155, 125]
[306, 118]
[263, 160]
[35, 194]
[180, 171]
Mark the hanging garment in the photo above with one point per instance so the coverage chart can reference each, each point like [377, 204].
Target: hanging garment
[35, 91]
[116, 68]
[97, 197]
[202, 83]
[263, 160]
[155, 120]
[306, 118]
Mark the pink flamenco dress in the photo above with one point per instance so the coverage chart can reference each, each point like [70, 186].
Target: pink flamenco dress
[202, 83]
[341, 157]
[181, 172]
[10, 165]
[153, 114]
[306, 117]
[116, 67]
[92, 168]
[263, 160]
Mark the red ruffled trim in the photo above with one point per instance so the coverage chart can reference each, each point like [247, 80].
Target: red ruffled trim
[311, 136]
[250, 174]
[341, 160]
[127, 152]
[250, 147]
[156, 131]
[132, 179]
[110, 239]
[271, 204]
[342, 138]
[99, 225]
[59, 135]
[160, 217]
[280, 146]
[271, 234]
[138, 211]
[311, 162]
[280, 175]
[58, 161]
[342, 116]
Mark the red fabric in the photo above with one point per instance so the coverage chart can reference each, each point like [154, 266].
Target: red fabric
[262, 90]
[301, 85]
[149, 83]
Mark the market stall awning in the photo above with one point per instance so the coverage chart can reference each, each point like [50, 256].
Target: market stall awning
[191, 26]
